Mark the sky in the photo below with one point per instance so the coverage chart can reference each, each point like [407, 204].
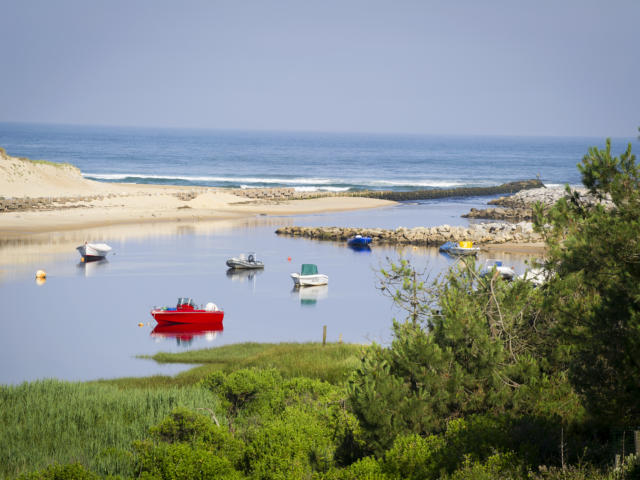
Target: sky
[561, 68]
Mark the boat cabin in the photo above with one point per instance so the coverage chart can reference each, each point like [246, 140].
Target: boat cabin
[186, 303]
[309, 269]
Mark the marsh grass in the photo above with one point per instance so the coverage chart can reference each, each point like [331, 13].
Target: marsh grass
[332, 362]
[52, 421]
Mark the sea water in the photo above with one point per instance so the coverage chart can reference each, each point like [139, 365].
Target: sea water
[305, 161]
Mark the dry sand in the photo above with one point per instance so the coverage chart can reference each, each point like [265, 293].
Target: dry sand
[92, 204]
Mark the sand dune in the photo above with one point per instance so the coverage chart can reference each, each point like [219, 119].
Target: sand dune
[66, 200]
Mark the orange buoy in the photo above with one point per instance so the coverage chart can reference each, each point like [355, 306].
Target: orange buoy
[41, 274]
[288, 259]
[141, 324]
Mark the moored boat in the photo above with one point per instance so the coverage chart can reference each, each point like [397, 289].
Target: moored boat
[359, 241]
[309, 276]
[459, 249]
[186, 312]
[507, 273]
[248, 261]
[93, 251]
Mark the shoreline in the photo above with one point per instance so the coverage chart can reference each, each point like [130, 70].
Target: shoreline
[43, 197]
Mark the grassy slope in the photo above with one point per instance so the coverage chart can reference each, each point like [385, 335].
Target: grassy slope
[95, 422]
[332, 362]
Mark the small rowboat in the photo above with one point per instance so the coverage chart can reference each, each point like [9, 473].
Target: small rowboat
[93, 251]
[186, 312]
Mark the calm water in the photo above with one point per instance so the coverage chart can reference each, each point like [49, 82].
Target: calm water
[83, 322]
[305, 161]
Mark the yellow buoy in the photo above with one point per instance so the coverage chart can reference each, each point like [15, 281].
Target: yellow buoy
[41, 274]
[141, 324]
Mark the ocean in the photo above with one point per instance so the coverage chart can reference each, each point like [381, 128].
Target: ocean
[305, 161]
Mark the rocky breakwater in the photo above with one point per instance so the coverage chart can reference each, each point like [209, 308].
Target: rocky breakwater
[519, 207]
[486, 233]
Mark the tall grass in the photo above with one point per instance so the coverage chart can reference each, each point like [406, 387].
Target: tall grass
[332, 362]
[53, 421]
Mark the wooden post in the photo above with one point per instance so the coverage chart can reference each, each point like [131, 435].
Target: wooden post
[324, 335]
[340, 342]
[636, 440]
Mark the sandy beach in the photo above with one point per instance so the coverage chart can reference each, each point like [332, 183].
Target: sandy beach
[67, 201]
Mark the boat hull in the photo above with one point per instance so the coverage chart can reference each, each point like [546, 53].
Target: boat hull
[240, 264]
[359, 241]
[94, 251]
[461, 252]
[309, 280]
[202, 317]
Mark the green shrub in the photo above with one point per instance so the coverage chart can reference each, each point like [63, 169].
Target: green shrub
[173, 461]
[186, 426]
[71, 471]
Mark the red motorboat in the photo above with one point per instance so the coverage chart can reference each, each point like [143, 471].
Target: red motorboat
[186, 312]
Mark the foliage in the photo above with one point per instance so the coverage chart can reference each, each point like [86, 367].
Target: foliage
[52, 421]
[594, 248]
[71, 471]
[332, 362]
[471, 344]
[182, 461]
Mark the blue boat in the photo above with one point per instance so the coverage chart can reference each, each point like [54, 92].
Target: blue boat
[359, 241]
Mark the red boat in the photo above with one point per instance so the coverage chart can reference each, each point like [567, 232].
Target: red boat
[186, 312]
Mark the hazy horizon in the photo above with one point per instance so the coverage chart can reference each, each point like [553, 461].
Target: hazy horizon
[495, 68]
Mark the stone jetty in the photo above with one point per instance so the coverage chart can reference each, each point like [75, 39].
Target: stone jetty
[486, 233]
[519, 206]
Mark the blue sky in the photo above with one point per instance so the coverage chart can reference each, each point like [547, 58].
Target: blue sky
[512, 67]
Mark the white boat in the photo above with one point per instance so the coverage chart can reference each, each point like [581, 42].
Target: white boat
[463, 248]
[507, 273]
[538, 276]
[309, 276]
[248, 261]
[93, 251]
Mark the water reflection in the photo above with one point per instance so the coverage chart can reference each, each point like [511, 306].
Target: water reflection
[243, 275]
[360, 248]
[90, 268]
[309, 296]
[185, 333]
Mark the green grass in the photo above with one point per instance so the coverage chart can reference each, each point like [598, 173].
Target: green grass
[94, 423]
[41, 162]
[46, 421]
[333, 362]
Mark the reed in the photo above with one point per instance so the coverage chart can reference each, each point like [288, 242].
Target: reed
[52, 421]
[332, 362]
